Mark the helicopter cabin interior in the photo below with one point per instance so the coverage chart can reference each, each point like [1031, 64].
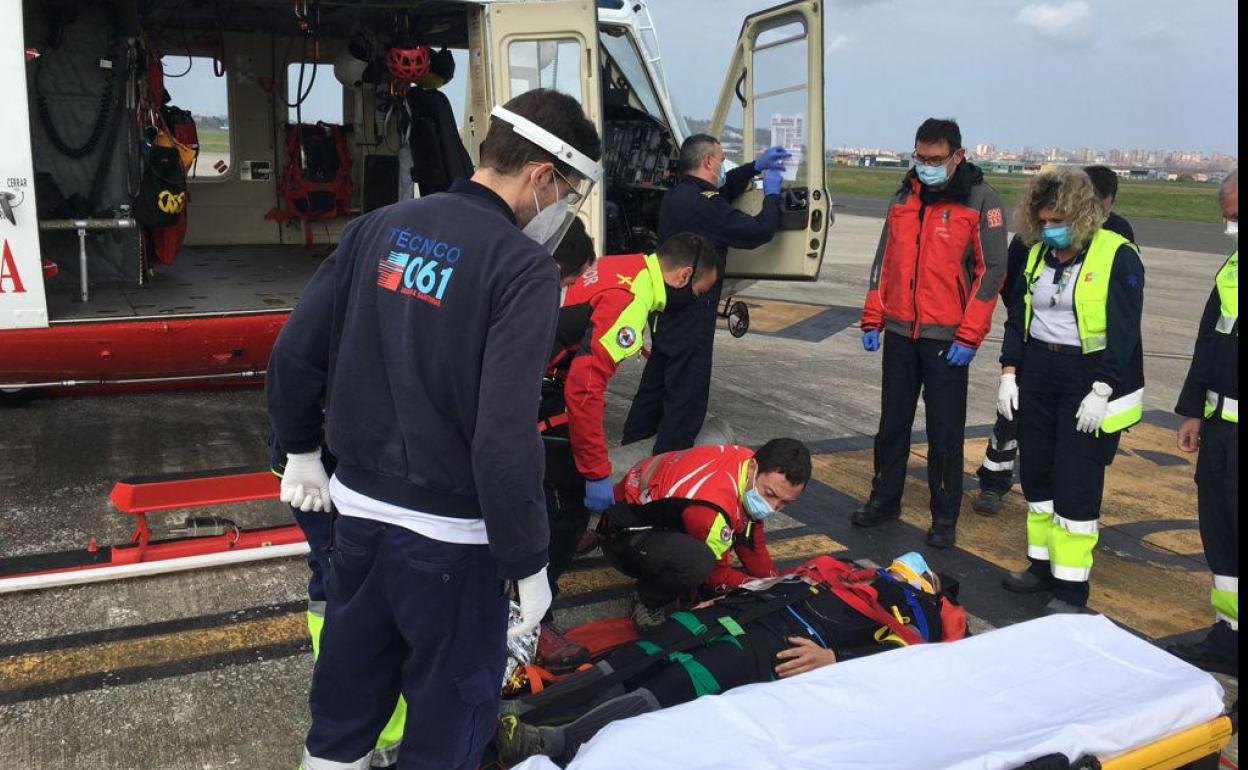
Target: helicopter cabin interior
[218, 149]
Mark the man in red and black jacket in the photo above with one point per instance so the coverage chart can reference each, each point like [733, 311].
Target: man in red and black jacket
[934, 285]
[600, 324]
[682, 515]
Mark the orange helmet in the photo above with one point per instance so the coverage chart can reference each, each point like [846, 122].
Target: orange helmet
[407, 65]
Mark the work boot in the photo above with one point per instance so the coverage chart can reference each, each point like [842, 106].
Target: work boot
[987, 502]
[942, 535]
[1025, 582]
[516, 741]
[557, 652]
[1062, 607]
[588, 542]
[872, 513]
[647, 618]
[1217, 651]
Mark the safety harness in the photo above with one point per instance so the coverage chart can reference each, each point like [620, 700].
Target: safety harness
[316, 182]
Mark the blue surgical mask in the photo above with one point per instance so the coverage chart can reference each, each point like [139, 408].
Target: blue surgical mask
[757, 506]
[932, 176]
[1056, 236]
[723, 177]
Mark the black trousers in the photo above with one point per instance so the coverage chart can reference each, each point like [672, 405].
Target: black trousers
[996, 472]
[564, 487]
[671, 400]
[1217, 495]
[911, 366]
[1062, 470]
[666, 565]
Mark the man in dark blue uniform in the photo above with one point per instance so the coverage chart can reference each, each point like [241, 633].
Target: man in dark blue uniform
[671, 400]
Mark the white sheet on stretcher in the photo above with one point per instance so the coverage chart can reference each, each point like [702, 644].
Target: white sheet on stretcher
[1066, 684]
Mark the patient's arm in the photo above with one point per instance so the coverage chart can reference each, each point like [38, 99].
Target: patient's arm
[803, 656]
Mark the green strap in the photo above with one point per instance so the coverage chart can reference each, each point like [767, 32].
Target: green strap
[731, 625]
[689, 621]
[648, 646]
[704, 682]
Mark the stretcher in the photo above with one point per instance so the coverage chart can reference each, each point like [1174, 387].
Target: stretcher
[1075, 685]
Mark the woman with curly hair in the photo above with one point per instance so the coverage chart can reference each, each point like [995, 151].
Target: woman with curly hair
[1073, 367]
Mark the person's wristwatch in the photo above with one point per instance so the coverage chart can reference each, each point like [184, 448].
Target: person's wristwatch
[1101, 389]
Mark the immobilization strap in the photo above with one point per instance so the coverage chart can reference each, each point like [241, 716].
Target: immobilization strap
[656, 654]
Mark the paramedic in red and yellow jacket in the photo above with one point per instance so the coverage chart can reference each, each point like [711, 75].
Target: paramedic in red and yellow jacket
[934, 284]
[683, 515]
[600, 324]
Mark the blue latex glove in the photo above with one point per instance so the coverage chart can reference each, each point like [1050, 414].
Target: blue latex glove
[959, 355]
[871, 340]
[773, 158]
[771, 182]
[599, 494]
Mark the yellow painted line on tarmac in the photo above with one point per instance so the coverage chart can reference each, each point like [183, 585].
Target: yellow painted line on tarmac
[768, 315]
[32, 669]
[21, 671]
[585, 581]
[1154, 598]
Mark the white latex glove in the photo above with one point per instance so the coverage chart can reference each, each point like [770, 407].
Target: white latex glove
[1007, 396]
[304, 483]
[1093, 408]
[535, 599]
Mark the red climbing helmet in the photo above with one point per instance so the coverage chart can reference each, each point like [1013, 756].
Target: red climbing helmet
[407, 65]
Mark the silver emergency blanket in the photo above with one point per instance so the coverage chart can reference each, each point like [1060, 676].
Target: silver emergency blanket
[1070, 684]
[520, 650]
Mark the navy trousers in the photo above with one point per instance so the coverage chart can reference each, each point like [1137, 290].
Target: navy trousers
[413, 616]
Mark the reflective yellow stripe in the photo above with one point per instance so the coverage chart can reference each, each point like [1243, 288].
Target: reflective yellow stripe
[719, 538]
[1230, 406]
[624, 338]
[1228, 293]
[1122, 413]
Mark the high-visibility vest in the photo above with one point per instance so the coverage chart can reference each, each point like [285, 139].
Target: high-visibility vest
[1091, 297]
[1228, 323]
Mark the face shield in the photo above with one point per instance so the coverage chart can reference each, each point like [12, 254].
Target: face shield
[578, 185]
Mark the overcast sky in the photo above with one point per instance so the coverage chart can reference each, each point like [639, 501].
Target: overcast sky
[1071, 73]
[1152, 74]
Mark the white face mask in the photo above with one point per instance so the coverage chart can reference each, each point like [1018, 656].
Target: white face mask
[1232, 230]
[547, 223]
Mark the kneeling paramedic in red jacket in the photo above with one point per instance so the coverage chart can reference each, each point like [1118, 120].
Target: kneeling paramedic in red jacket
[600, 325]
[682, 513]
[934, 284]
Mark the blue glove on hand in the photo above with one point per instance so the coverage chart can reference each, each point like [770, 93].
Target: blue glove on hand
[959, 355]
[773, 158]
[771, 182]
[599, 494]
[871, 340]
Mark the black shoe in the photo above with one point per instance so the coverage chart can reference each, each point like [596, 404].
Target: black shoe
[987, 502]
[942, 535]
[1062, 607]
[1217, 651]
[872, 513]
[1025, 582]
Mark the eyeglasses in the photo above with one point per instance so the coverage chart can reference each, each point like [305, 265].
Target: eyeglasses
[573, 196]
[928, 160]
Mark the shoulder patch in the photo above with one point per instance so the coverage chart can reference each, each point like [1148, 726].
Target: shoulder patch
[709, 193]
[626, 337]
[995, 217]
[725, 534]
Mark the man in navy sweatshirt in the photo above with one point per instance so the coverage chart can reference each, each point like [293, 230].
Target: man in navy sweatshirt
[424, 335]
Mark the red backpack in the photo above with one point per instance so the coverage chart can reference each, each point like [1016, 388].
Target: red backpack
[316, 181]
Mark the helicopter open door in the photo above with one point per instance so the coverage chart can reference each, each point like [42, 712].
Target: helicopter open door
[775, 85]
[544, 45]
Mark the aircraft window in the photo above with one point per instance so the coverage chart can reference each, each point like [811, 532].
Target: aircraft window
[545, 64]
[625, 56]
[322, 96]
[193, 87]
[780, 94]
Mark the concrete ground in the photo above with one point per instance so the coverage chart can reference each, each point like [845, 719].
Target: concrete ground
[210, 669]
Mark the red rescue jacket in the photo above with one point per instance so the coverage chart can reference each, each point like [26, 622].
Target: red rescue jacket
[940, 262]
[716, 475]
